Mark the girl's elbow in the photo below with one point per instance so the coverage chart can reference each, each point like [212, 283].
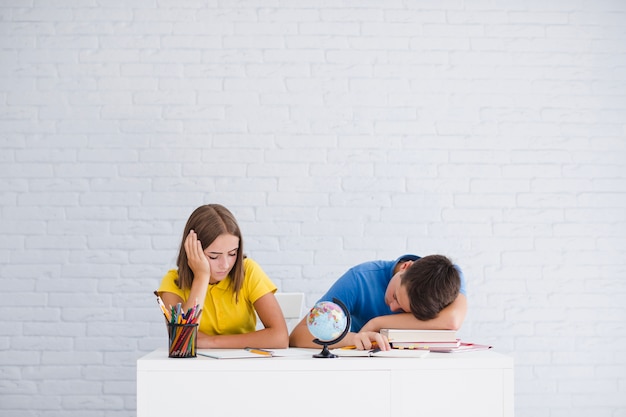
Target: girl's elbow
[282, 339]
[283, 342]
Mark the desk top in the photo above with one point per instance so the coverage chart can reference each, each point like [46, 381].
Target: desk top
[296, 359]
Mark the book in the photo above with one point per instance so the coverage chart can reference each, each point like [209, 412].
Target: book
[409, 335]
[393, 353]
[426, 345]
[235, 353]
[463, 347]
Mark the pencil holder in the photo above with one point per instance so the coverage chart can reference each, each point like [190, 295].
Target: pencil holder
[182, 340]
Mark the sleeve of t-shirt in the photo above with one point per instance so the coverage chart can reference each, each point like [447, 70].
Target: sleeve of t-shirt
[343, 289]
[257, 282]
[168, 284]
[463, 289]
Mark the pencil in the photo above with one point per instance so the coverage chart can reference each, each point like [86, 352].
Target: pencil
[259, 351]
[163, 309]
[352, 347]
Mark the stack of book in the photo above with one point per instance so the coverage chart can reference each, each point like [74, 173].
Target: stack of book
[433, 340]
[421, 339]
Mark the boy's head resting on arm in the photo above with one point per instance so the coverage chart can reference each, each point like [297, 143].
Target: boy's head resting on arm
[431, 283]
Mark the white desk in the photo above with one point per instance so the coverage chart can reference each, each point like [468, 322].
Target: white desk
[463, 384]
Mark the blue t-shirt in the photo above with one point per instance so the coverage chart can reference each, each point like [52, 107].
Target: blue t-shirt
[362, 289]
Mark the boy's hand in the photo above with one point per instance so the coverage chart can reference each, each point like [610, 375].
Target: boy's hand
[367, 340]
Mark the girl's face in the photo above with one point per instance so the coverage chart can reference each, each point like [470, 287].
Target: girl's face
[222, 254]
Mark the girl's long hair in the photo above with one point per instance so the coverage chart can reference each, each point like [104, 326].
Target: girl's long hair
[209, 222]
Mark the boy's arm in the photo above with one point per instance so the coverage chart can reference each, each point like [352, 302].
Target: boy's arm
[450, 318]
[301, 337]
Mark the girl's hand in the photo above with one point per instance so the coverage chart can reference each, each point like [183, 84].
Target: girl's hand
[196, 259]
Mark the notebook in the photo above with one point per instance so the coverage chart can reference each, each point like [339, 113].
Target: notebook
[393, 353]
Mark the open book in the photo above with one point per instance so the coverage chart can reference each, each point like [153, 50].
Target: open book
[235, 353]
[393, 353]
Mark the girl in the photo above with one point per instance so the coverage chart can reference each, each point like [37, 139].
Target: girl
[229, 288]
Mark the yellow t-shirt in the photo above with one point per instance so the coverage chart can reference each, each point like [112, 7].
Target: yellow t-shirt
[220, 313]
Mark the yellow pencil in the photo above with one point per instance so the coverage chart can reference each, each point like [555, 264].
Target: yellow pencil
[352, 347]
[259, 351]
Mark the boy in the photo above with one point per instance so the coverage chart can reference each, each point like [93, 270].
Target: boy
[408, 293]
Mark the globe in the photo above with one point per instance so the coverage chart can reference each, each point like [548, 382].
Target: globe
[328, 322]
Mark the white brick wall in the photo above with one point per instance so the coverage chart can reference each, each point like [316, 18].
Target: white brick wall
[338, 132]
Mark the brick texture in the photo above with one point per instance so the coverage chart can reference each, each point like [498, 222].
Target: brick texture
[337, 132]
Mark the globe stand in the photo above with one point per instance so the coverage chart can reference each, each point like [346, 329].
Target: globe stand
[325, 353]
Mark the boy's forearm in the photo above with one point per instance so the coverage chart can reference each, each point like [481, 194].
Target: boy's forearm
[393, 321]
[450, 318]
[301, 337]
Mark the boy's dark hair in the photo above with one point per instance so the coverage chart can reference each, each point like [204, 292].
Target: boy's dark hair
[432, 283]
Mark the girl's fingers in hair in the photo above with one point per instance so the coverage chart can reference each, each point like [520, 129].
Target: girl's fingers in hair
[189, 244]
